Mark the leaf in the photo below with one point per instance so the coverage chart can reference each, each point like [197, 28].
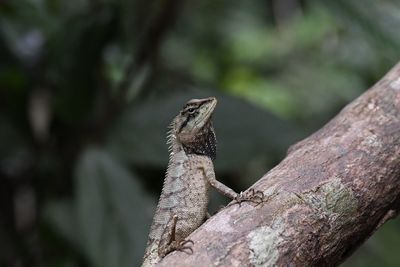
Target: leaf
[112, 231]
[244, 132]
[61, 215]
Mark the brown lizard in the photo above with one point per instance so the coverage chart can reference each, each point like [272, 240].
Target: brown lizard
[182, 206]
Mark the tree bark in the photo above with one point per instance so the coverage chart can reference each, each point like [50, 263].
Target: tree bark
[329, 194]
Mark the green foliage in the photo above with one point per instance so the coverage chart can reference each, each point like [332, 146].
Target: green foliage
[80, 74]
[102, 220]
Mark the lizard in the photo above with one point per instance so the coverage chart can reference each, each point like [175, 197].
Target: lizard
[182, 206]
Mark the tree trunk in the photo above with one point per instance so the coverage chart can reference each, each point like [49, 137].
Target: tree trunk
[330, 193]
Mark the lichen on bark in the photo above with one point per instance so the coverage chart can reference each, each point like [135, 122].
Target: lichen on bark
[332, 197]
[263, 244]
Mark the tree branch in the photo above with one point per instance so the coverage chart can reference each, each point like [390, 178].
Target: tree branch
[162, 20]
[330, 193]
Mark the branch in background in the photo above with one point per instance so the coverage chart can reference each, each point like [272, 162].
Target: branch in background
[330, 193]
[164, 17]
[147, 50]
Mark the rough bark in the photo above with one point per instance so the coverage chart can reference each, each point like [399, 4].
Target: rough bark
[330, 193]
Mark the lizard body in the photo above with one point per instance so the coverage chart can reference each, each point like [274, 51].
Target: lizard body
[182, 206]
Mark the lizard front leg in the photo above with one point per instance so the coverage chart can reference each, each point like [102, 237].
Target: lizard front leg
[250, 195]
[168, 242]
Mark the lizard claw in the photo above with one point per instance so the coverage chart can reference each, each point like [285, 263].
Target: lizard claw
[251, 195]
[185, 246]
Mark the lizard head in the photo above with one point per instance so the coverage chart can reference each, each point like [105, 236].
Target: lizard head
[194, 117]
[193, 128]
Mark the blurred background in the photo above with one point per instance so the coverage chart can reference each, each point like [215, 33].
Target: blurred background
[88, 88]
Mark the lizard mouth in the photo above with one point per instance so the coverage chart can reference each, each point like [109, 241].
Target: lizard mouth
[211, 106]
[211, 103]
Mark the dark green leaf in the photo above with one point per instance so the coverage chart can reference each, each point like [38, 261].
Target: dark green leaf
[112, 224]
[61, 215]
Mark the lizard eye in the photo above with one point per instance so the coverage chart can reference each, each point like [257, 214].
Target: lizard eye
[191, 110]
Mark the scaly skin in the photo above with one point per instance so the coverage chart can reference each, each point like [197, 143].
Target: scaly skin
[182, 206]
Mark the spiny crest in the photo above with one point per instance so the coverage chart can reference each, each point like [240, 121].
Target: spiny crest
[171, 138]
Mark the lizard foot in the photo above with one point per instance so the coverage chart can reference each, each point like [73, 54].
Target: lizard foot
[183, 245]
[251, 195]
